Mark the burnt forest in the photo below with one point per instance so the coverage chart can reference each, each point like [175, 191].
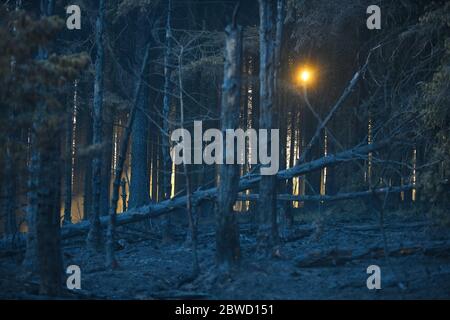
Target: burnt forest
[224, 150]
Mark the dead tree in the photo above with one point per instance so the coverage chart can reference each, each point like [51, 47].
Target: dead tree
[110, 258]
[30, 260]
[11, 180]
[166, 160]
[68, 169]
[48, 214]
[94, 235]
[227, 232]
[140, 179]
[34, 168]
[45, 182]
[107, 152]
[11, 184]
[187, 46]
[267, 229]
[337, 197]
[246, 182]
[284, 212]
[192, 234]
[123, 184]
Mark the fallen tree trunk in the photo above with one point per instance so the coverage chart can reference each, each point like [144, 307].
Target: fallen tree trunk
[337, 257]
[246, 182]
[337, 197]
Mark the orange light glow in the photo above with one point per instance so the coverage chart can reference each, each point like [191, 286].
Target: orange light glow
[305, 76]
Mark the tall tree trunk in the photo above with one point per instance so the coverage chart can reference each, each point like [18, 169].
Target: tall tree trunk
[107, 151]
[279, 119]
[11, 184]
[11, 180]
[140, 175]
[154, 166]
[166, 160]
[227, 232]
[94, 235]
[68, 164]
[192, 233]
[30, 261]
[267, 231]
[87, 187]
[110, 234]
[123, 185]
[278, 44]
[292, 137]
[43, 212]
[48, 233]
[255, 125]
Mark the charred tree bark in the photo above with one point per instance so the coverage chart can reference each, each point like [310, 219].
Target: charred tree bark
[247, 182]
[31, 256]
[192, 233]
[227, 232]
[166, 160]
[43, 238]
[48, 217]
[336, 197]
[43, 253]
[156, 183]
[11, 181]
[280, 120]
[11, 184]
[94, 235]
[255, 124]
[267, 229]
[140, 175]
[289, 185]
[110, 257]
[68, 166]
[123, 184]
[87, 162]
[30, 260]
[107, 151]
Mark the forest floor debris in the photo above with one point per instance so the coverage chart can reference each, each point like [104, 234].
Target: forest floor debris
[332, 266]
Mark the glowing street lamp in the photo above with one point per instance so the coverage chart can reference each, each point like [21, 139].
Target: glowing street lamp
[305, 76]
